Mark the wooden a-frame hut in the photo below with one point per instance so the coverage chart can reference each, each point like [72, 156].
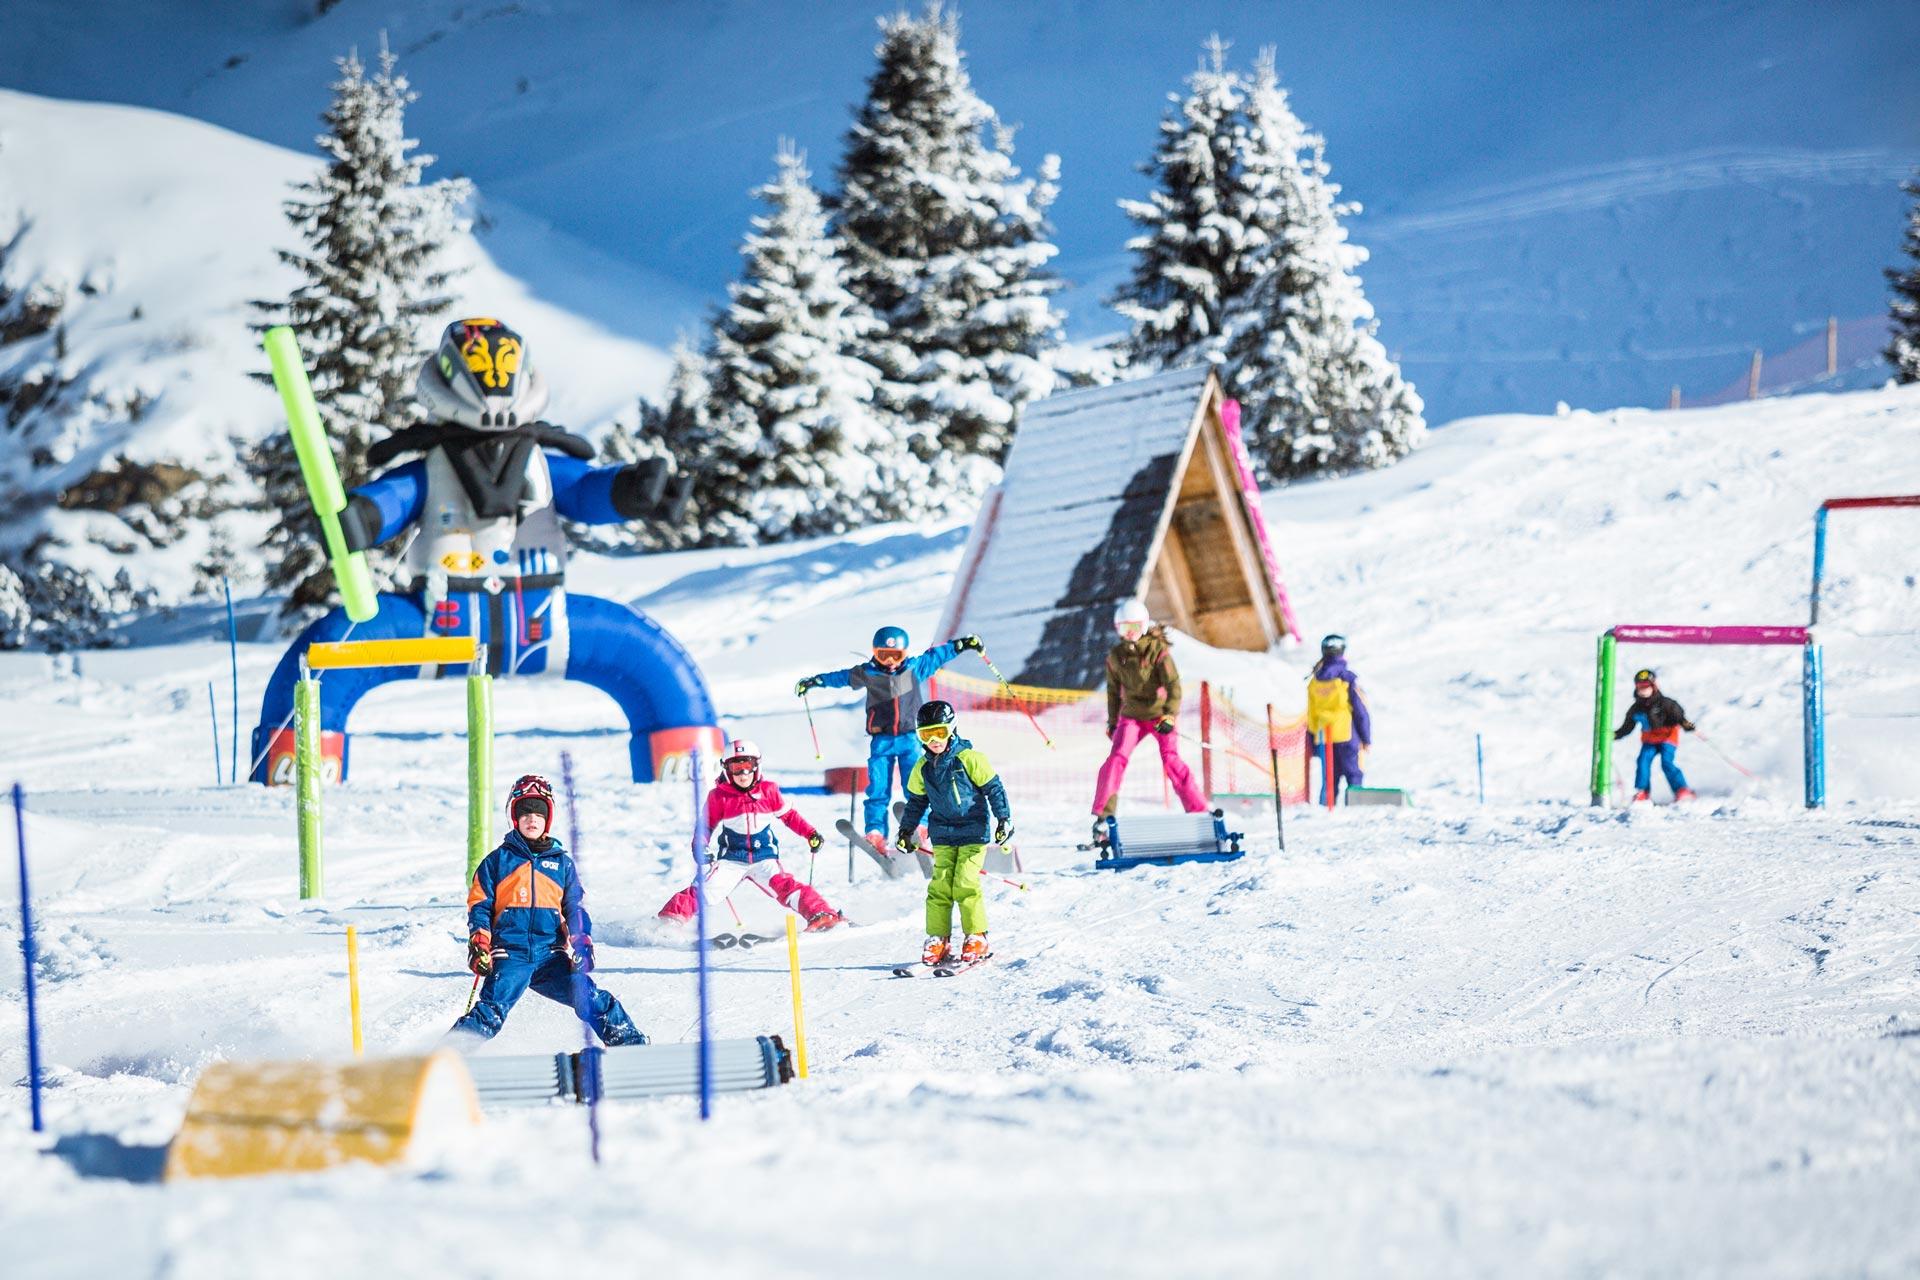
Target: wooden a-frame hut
[1140, 489]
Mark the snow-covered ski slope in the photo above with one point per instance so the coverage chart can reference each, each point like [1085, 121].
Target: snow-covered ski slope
[1530, 1038]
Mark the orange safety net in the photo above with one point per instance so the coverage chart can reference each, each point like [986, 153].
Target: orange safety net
[1226, 746]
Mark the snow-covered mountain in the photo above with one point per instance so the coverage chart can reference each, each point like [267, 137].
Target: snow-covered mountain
[1528, 1038]
[146, 235]
[1586, 204]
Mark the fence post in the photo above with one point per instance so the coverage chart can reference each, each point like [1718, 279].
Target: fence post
[1206, 738]
[1753, 377]
[1602, 717]
[1673, 397]
[306, 779]
[1833, 345]
[479, 762]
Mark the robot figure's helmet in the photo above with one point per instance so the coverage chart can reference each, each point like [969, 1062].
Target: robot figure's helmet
[481, 377]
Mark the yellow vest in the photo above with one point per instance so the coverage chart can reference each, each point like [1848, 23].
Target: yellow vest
[1329, 710]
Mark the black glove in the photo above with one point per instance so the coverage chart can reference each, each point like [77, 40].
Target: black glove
[1163, 725]
[906, 839]
[800, 689]
[1623, 733]
[814, 842]
[480, 952]
[639, 487]
[1689, 726]
[580, 951]
[1111, 728]
[964, 643]
[359, 523]
[1003, 831]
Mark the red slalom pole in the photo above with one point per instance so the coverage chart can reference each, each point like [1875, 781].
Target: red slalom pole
[808, 704]
[1007, 689]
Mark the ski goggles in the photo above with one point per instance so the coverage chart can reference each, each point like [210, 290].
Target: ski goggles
[934, 733]
[741, 764]
[889, 657]
[1130, 630]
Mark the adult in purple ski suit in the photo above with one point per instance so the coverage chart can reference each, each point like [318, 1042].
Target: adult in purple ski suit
[1337, 715]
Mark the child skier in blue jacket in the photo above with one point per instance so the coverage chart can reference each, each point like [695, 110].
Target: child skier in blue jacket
[528, 927]
[957, 790]
[893, 685]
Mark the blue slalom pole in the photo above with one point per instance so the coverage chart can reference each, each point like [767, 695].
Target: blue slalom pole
[233, 662]
[582, 1005]
[213, 716]
[1819, 563]
[1480, 767]
[700, 835]
[27, 955]
[1814, 725]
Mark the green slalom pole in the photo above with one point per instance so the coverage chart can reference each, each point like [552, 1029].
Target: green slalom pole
[306, 775]
[479, 763]
[317, 469]
[1602, 717]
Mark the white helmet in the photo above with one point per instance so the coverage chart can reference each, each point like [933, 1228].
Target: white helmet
[741, 749]
[1131, 612]
[481, 377]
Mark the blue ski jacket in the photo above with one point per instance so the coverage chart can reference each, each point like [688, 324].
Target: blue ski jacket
[527, 899]
[955, 790]
[893, 697]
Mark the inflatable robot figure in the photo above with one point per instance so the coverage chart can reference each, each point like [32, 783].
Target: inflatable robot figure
[488, 558]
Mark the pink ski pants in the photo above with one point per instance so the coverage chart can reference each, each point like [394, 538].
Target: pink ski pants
[1126, 736]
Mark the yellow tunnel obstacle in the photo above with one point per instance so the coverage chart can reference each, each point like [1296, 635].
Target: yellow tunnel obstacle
[248, 1118]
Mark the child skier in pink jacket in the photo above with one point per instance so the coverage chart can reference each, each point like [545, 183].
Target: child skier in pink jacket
[741, 810]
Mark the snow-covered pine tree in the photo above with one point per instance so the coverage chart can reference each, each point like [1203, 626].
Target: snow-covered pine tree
[372, 286]
[946, 244]
[798, 437]
[1191, 254]
[1317, 390]
[1903, 353]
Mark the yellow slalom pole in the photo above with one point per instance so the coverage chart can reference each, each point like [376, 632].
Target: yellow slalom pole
[799, 1019]
[353, 987]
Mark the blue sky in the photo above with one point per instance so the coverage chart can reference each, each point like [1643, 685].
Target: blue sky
[1581, 202]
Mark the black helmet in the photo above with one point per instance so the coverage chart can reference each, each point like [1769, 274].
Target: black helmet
[933, 715]
[1333, 645]
[1645, 676]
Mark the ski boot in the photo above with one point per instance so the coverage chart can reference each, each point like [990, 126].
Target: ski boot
[1683, 794]
[936, 950]
[1640, 797]
[1100, 834]
[975, 949]
[879, 842]
[820, 921]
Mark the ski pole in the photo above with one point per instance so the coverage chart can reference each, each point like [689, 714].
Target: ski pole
[984, 875]
[1273, 755]
[807, 702]
[472, 996]
[1007, 690]
[1745, 772]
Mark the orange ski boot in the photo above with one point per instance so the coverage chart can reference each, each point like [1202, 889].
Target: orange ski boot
[936, 949]
[975, 949]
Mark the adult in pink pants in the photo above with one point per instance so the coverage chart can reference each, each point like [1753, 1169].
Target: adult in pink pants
[1143, 700]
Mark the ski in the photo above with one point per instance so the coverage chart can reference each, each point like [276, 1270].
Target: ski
[945, 969]
[889, 864]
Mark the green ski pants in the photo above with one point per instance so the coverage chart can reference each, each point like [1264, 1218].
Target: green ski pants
[956, 883]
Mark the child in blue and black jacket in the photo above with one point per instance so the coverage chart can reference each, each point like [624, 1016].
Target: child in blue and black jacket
[528, 927]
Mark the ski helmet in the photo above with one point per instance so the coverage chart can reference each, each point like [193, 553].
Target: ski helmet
[935, 719]
[890, 638]
[1333, 646]
[741, 749]
[481, 377]
[1131, 613]
[531, 790]
[1644, 676]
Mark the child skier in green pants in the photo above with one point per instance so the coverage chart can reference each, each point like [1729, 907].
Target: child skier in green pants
[956, 789]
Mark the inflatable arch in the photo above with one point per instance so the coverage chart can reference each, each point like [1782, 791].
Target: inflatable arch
[616, 649]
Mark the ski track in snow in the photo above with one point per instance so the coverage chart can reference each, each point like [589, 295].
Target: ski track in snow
[1530, 1038]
